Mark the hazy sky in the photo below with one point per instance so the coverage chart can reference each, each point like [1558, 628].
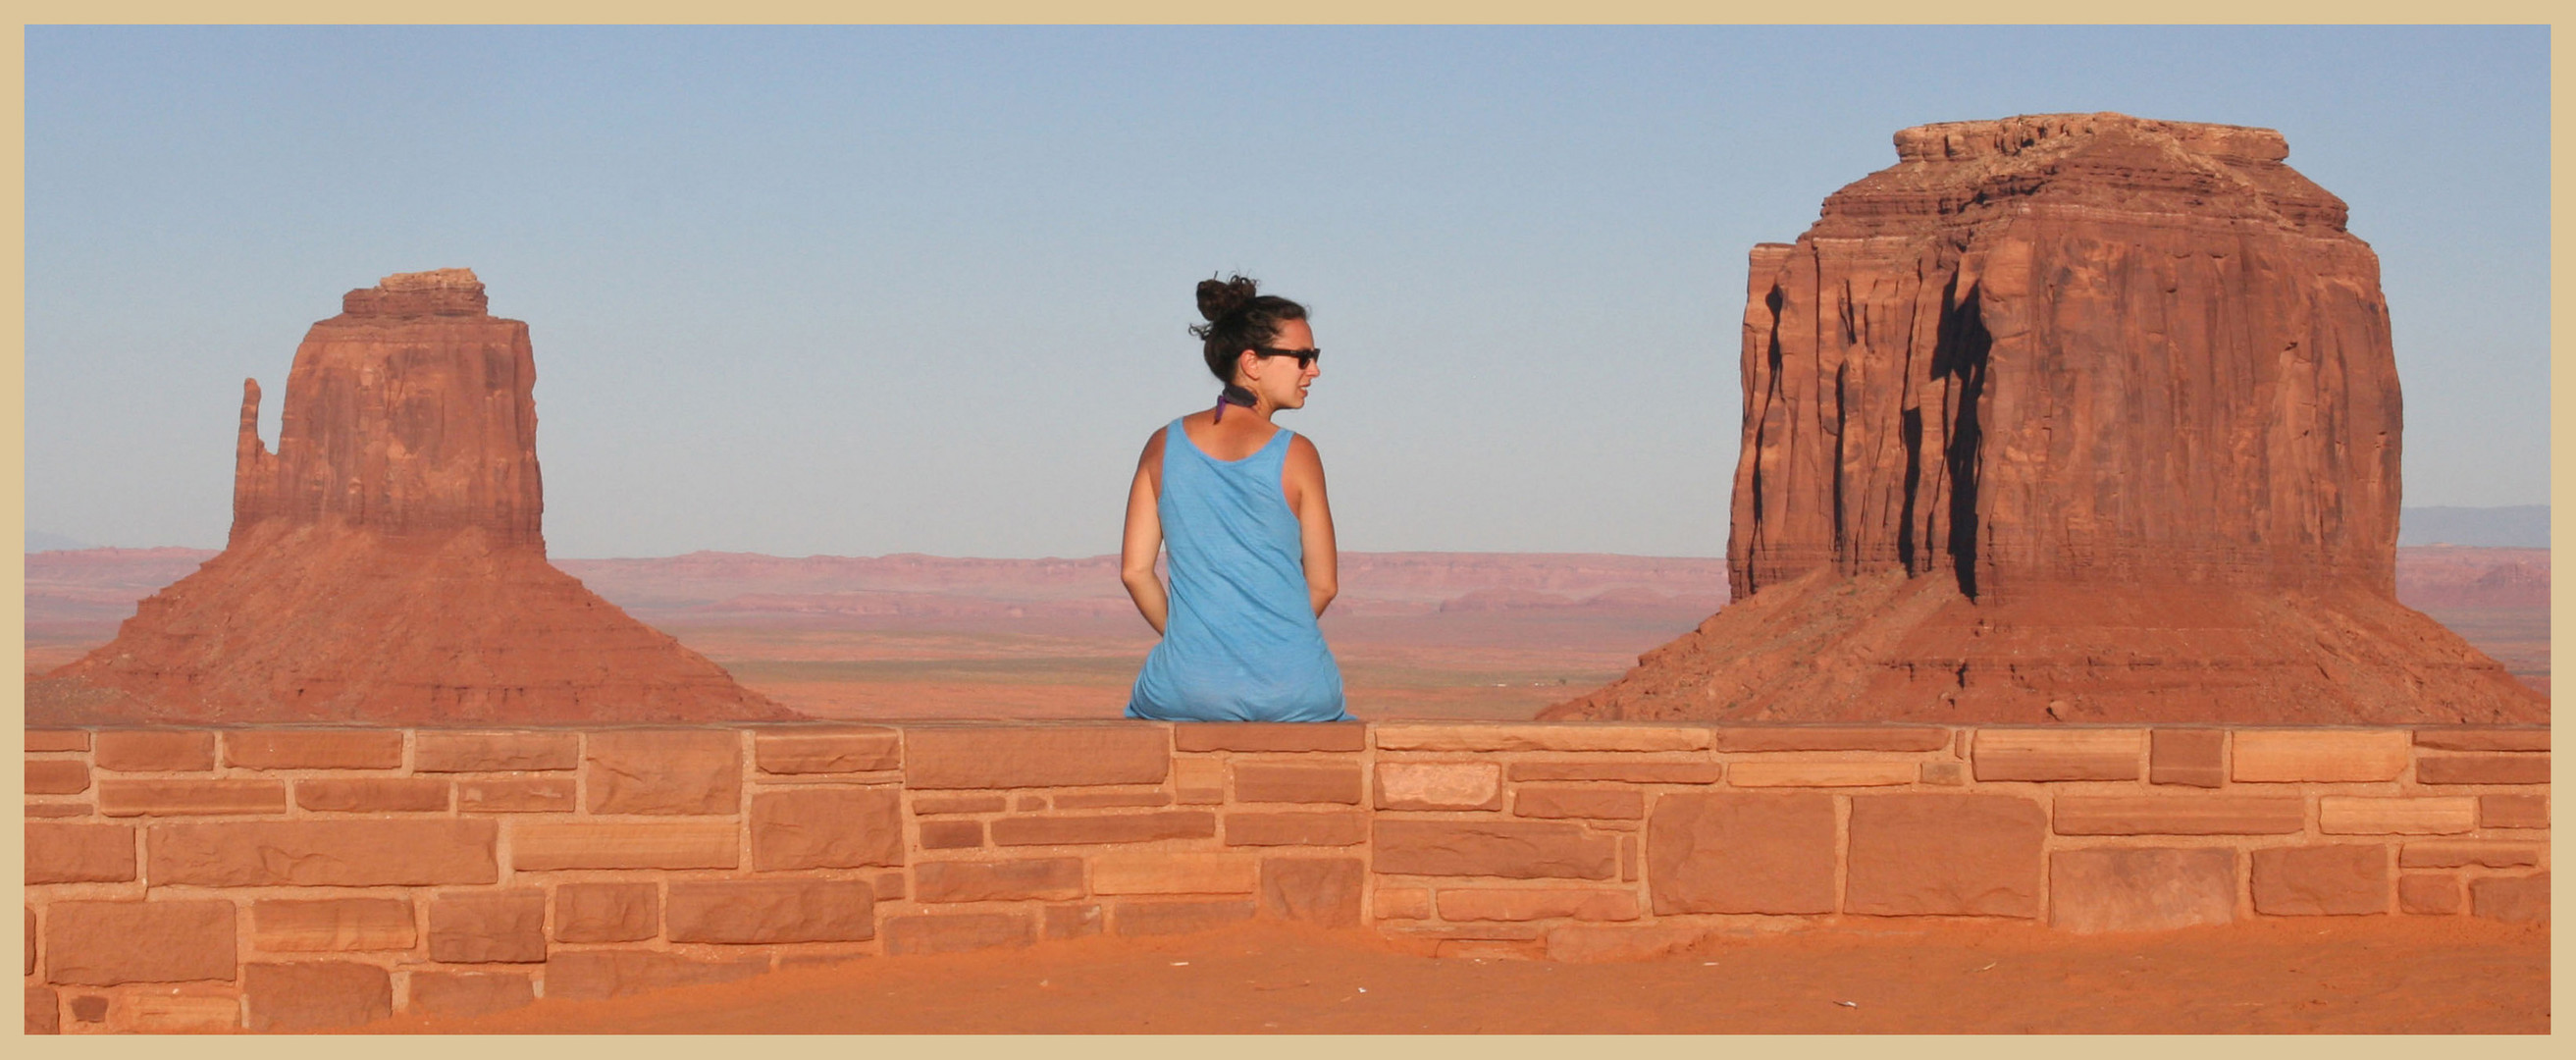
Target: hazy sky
[860, 291]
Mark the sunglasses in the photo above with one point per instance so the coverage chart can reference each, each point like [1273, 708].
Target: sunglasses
[1306, 358]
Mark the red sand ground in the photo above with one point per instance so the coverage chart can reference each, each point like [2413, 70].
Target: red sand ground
[2335, 974]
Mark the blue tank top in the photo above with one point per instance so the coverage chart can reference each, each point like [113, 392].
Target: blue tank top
[1240, 643]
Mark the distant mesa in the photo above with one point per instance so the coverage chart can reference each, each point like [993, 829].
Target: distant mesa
[387, 562]
[2072, 417]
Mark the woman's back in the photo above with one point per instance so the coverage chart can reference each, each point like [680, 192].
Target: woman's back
[1241, 642]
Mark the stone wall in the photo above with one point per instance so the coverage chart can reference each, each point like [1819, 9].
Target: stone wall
[292, 879]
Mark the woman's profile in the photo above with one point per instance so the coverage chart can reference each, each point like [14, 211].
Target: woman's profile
[1238, 502]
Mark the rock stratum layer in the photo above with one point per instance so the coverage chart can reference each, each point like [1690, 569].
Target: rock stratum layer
[2073, 417]
[387, 563]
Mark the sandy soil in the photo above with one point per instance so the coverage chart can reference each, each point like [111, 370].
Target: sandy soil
[2374, 975]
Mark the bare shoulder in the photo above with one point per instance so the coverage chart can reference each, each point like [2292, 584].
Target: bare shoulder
[1153, 446]
[1303, 457]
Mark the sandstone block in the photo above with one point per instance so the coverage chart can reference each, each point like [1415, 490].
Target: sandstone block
[607, 912]
[836, 750]
[2429, 894]
[1439, 786]
[2512, 899]
[2505, 768]
[1593, 803]
[889, 886]
[1036, 756]
[190, 1010]
[2321, 880]
[951, 835]
[190, 798]
[494, 752]
[56, 740]
[1026, 803]
[2319, 755]
[1102, 800]
[1539, 736]
[1018, 879]
[2190, 757]
[105, 943]
[2140, 888]
[819, 828]
[44, 1011]
[2366, 815]
[322, 853]
[1177, 916]
[266, 748]
[1314, 829]
[956, 932]
[1104, 828]
[772, 911]
[56, 776]
[515, 795]
[1402, 903]
[506, 927]
[1832, 738]
[154, 750]
[1516, 849]
[1974, 855]
[316, 995]
[663, 771]
[79, 853]
[1944, 774]
[49, 810]
[1580, 944]
[92, 1008]
[1323, 891]
[293, 925]
[2456, 855]
[1731, 853]
[2468, 738]
[1267, 736]
[373, 795]
[1297, 782]
[1174, 874]
[1198, 781]
[2513, 811]
[460, 995]
[1069, 921]
[584, 975]
[537, 846]
[2179, 815]
[978, 802]
[2057, 754]
[1820, 774]
[1522, 903]
[1647, 772]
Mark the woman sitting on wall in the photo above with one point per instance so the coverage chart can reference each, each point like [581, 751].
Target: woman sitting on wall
[1239, 503]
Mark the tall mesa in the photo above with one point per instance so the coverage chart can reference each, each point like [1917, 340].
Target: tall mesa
[2074, 417]
[387, 563]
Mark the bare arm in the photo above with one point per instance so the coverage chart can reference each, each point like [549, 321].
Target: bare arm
[1303, 482]
[1145, 537]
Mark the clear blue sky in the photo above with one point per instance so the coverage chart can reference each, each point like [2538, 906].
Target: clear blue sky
[859, 291]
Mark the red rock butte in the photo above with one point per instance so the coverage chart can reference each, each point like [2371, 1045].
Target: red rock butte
[2079, 417]
[387, 564]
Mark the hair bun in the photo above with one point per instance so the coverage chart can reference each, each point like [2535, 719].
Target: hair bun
[1219, 298]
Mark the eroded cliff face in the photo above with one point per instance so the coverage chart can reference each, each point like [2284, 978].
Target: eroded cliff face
[412, 414]
[2103, 413]
[387, 563]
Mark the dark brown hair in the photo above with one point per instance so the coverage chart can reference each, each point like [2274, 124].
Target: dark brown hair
[1239, 318]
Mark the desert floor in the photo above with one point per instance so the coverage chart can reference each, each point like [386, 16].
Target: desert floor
[2377, 975]
[1420, 635]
